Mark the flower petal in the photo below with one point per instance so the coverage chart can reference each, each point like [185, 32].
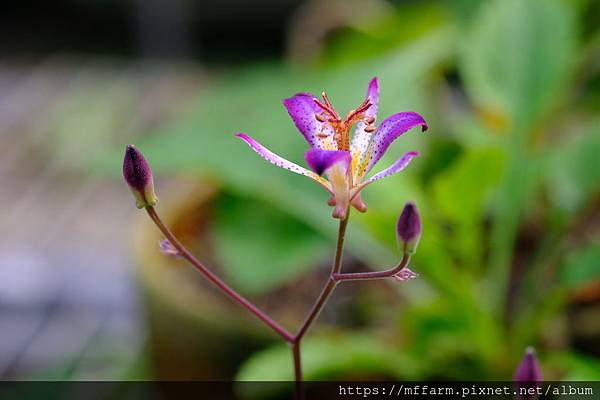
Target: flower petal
[361, 138]
[303, 110]
[389, 130]
[398, 166]
[321, 160]
[280, 161]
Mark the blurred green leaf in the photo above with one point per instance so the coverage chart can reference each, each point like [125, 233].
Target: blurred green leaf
[329, 357]
[394, 29]
[582, 266]
[260, 248]
[573, 170]
[459, 195]
[452, 331]
[574, 366]
[460, 191]
[518, 56]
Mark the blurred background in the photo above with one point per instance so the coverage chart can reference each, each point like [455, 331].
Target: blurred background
[508, 184]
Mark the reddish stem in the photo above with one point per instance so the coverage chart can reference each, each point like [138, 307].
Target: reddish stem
[334, 277]
[215, 280]
[365, 276]
[298, 370]
[329, 286]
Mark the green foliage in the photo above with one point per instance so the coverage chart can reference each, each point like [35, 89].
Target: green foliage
[509, 166]
[581, 267]
[518, 56]
[325, 357]
[260, 247]
[459, 195]
[573, 170]
[358, 42]
[575, 366]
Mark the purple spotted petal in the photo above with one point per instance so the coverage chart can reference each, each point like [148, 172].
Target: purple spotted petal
[361, 138]
[321, 160]
[280, 161]
[389, 130]
[398, 166]
[529, 369]
[405, 274]
[303, 109]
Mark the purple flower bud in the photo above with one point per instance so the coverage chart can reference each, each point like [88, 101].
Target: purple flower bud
[408, 228]
[138, 176]
[529, 369]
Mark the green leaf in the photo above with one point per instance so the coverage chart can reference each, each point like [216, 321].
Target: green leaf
[395, 27]
[326, 357]
[574, 366]
[573, 170]
[459, 196]
[582, 266]
[460, 191]
[260, 247]
[518, 55]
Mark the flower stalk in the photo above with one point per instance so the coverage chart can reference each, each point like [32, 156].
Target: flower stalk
[345, 162]
[215, 280]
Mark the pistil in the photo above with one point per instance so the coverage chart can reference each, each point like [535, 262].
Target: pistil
[342, 127]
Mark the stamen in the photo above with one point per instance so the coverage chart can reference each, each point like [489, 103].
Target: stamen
[342, 127]
[320, 117]
[328, 108]
[324, 95]
[370, 128]
[357, 112]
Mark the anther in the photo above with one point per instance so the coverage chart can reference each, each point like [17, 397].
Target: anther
[370, 128]
[320, 117]
[369, 120]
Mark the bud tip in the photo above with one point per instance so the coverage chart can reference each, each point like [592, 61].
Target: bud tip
[529, 368]
[408, 228]
[138, 176]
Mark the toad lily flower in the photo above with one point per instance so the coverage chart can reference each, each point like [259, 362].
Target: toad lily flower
[344, 161]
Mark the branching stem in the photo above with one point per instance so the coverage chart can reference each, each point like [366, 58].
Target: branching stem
[335, 277]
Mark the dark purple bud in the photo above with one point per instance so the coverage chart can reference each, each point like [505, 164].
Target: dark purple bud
[529, 369]
[408, 228]
[138, 176]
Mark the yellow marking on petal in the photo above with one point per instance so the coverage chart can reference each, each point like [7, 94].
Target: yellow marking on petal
[365, 162]
[355, 160]
[319, 179]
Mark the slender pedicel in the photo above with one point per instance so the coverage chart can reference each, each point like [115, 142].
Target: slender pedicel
[367, 276]
[138, 176]
[331, 282]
